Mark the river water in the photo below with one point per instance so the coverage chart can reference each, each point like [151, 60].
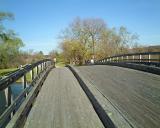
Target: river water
[16, 89]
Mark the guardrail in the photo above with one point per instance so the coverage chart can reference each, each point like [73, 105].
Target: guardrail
[147, 58]
[35, 70]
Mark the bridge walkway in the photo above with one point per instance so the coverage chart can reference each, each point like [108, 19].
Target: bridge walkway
[135, 94]
[62, 103]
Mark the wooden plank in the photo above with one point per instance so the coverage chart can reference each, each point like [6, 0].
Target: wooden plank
[62, 103]
[134, 93]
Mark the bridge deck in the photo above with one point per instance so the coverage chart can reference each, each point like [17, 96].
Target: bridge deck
[62, 103]
[136, 94]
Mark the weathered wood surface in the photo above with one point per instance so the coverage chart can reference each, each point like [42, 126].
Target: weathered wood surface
[62, 103]
[134, 93]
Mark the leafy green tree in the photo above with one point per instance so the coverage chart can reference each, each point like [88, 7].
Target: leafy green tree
[10, 44]
[73, 52]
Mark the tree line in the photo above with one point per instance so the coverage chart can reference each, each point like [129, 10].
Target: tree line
[91, 38]
[11, 54]
[81, 41]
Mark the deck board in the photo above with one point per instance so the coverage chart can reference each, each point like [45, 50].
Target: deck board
[135, 94]
[62, 103]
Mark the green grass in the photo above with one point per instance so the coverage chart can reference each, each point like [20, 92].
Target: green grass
[60, 64]
[3, 72]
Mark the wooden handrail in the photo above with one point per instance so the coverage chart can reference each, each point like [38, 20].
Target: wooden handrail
[13, 77]
[146, 57]
[43, 68]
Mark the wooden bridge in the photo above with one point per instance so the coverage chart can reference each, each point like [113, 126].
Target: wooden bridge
[91, 96]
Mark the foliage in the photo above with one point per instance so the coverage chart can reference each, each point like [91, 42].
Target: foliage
[73, 52]
[90, 38]
[10, 44]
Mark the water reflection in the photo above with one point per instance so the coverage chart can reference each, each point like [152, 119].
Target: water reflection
[16, 89]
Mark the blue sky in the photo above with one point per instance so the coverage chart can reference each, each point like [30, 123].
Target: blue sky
[39, 22]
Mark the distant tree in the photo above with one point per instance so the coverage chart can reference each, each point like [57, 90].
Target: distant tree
[53, 54]
[86, 32]
[127, 40]
[94, 28]
[95, 40]
[73, 52]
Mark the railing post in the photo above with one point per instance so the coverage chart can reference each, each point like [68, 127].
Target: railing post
[45, 64]
[37, 69]
[41, 67]
[149, 58]
[8, 95]
[127, 58]
[140, 58]
[122, 58]
[32, 73]
[24, 82]
[133, 58]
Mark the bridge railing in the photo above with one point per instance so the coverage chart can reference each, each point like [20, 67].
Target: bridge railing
[34, 70]
[149, 58]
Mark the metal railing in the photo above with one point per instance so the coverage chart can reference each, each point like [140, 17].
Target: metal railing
[148, 58]
[35, 70]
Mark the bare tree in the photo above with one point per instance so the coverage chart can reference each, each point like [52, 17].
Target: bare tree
[94, 28]
[95, 40]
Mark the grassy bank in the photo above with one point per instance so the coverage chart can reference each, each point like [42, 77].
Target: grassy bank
[60, 64]
[4, 72]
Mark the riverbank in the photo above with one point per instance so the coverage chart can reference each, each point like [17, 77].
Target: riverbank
[4, 72]
[60, 64]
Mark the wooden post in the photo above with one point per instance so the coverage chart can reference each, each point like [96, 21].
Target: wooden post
[24, 82]
[44, 65]
[35, 73]
[9, 100]
[127, 58]
[32, 74]
[8, 95]
[133, 58]
[41, 67]
[140, 58]
[149, 58]
[37, 69]
[122, 58]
